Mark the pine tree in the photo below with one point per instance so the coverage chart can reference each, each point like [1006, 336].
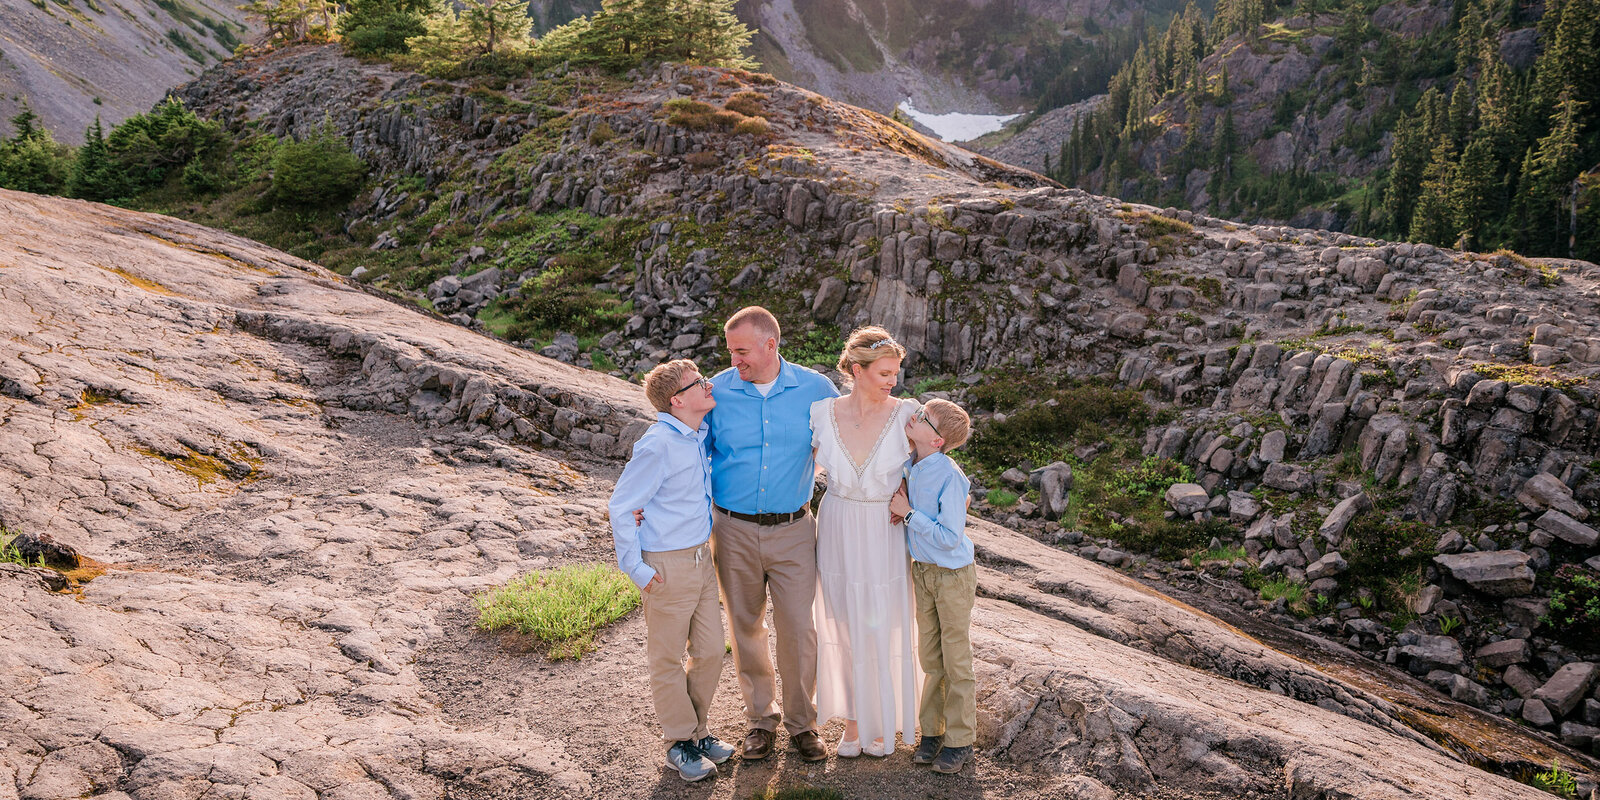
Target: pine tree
[1433, 221]
[1473, 190]
[1554, 173]
[94, 175]
[31, 160]
[1407, 158]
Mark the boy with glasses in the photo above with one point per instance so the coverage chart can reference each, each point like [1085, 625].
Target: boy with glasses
[667, 554]
[944, 582]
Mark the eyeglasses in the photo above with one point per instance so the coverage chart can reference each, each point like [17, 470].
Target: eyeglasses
[922, 415]
[701, 381]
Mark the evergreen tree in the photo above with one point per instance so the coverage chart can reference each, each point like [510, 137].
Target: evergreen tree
[1407, 158]
[378, 27]
[1472, 194]
[1552, 186]
[496, 25]
[31, 160]
[94, 176]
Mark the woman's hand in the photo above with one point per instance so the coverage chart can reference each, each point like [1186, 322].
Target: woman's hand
[899, 506]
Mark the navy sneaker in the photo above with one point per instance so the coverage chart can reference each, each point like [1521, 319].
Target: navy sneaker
[715, 749]
[686, 758]
[952, 759]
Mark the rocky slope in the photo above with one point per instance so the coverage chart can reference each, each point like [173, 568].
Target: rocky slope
[78, 59]
[1315, 375]
[275, 494]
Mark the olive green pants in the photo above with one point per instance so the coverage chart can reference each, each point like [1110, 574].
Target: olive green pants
[944, 623]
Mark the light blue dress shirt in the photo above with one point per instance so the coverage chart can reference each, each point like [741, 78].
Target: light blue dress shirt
[936, 528]
[670, 478]
[761, 446]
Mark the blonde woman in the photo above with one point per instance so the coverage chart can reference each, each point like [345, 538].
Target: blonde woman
[866, 635]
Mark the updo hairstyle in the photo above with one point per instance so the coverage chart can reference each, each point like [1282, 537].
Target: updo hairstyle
[867, 345]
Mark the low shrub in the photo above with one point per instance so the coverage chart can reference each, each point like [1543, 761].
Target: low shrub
[752, 126]
[1000, 498]
[1574, 614]
[1041, 432]
[317, 172]
[1380, 551]
[750, 104]
[561, 607]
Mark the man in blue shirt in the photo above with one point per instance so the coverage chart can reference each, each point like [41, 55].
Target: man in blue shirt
[764, 536]
[667, 554]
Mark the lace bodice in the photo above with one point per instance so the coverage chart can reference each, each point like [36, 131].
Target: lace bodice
[874, 480]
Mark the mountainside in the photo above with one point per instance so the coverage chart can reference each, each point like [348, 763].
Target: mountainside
[73, 60]
[1381, 458]
[1470, 124]
[274, 495]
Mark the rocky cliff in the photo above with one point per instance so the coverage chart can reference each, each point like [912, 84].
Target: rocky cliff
[73, 61]
[267, 497]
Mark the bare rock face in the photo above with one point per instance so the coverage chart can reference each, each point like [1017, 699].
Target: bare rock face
[1500, 573]
[292, 489]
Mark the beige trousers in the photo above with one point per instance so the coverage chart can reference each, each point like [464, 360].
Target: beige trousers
[753, 560]
[683, 608]
[944, 600]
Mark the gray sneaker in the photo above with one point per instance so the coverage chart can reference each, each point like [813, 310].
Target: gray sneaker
[686, 758]
[715, 749]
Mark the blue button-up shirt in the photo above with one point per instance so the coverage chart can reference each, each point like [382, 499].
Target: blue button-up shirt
[761, 446]
[670, 478]
[936, 528]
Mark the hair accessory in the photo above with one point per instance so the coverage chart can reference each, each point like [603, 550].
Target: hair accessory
[880, 343]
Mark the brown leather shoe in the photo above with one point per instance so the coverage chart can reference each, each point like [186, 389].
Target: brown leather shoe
[809, 745]
[758, 744]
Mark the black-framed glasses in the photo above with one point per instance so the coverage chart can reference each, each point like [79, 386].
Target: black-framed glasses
[922, 414]
[702, 381]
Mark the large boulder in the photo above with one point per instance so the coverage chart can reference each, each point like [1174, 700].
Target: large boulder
[1503, 653]
[1565, 689]
[1567, 529]
[1054, 484]
[1289, 478]
[1545, 491]
[1187, 499]
[1501, 573]
[1332, 529]
[1433, 652]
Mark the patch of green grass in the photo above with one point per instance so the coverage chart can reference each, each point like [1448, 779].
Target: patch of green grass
[1294, 594]
[1527, 374]
[817, 347]
[11, 555]
[561, 607]
[1228, 553]
[947, 384]
[1001, 498]
[600, 362]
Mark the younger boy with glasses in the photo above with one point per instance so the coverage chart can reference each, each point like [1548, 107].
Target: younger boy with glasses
[667, 554]
[944, 582]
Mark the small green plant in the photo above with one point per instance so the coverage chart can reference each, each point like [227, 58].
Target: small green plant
[1449, 624]
[1574, 613]
[1557, 781]
[1000, 498]
[561, 607]
[1366, 601]
[1321, 603]
[1293, 594]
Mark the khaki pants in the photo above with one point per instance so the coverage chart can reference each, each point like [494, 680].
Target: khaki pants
[944, 622]
[683, 608]
[751, 561]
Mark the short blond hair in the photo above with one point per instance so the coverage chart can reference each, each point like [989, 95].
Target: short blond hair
[757, 317]
[867, 345]
[951, 421]
[663, 382]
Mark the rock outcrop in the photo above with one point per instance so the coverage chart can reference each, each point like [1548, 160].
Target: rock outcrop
[289, 490]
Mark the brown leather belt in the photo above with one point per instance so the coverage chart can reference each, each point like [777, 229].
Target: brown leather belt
[764, 519]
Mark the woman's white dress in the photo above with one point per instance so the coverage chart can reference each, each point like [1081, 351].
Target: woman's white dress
[867, 666]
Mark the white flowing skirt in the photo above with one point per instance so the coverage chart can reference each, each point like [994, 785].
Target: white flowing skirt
[867, 667]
